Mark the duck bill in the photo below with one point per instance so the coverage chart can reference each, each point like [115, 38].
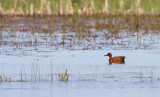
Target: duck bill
[105, 55]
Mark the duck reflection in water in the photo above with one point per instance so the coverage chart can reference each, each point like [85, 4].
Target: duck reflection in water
[116, 59]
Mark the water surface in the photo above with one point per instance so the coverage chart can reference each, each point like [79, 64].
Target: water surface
[38, 58]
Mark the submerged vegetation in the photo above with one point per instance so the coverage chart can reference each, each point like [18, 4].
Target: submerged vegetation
[80, 7]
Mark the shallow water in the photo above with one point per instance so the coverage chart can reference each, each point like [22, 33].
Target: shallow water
[36, 57]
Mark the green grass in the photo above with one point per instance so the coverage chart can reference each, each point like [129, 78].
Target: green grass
[114, 5]
[148, 5]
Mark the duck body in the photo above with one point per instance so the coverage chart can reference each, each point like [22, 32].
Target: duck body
[116, 59]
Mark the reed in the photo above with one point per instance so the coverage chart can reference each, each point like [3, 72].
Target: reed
[80, 7]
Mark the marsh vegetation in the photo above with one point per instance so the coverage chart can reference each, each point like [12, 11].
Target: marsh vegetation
[77, 7]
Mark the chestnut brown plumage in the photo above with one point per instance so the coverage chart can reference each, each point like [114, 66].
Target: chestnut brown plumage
[116, 59]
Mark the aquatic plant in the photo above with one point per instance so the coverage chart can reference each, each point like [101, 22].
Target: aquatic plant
[64, 77]
[6, 79]
[21, 80]
[1, 78]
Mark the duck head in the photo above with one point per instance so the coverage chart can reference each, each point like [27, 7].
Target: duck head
[109, 54]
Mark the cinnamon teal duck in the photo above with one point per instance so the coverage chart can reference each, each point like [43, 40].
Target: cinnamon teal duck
[116, 59]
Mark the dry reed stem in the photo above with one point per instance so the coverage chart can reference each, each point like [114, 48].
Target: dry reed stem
[20, 11]
[139, 9]
[69, 8]
[106, 8]
[61, 7]
[92, 7]
[121, 6]
[49, 12]
[1, 9]
[79, 12]
[31, 10]
[15, 4]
